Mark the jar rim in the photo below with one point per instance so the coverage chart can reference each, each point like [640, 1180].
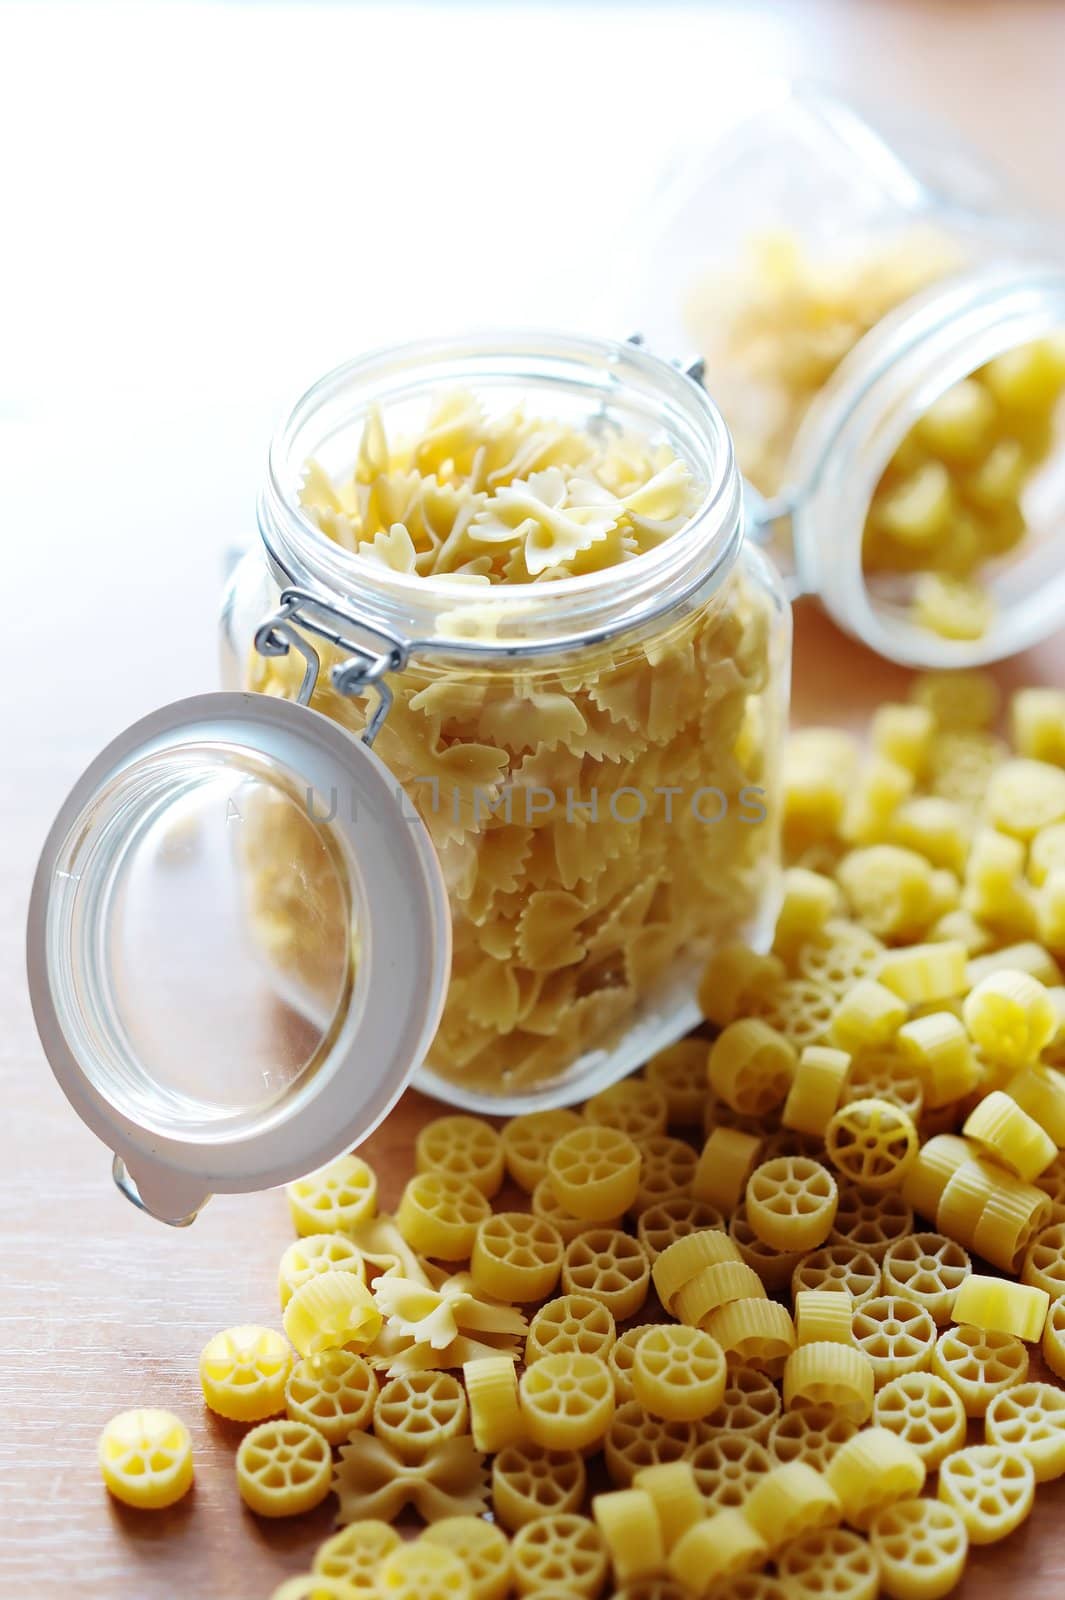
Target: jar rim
[557, 613]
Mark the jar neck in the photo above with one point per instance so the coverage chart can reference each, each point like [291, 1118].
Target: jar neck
[587, 382]
[862, 416]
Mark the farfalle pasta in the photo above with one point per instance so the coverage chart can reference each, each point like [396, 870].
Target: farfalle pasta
[602, 814]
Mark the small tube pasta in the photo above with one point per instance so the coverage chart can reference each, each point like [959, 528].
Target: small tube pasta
[726, 1162]
[682, 1260]
[830, 1374]
[496, 1419]
[719, 1547]
[922, 974]
[675, 1496]
[996, 1306]
[1010, 1136]
[751, 1066]
[816, 1089]
[875, 1469]
[754, 1333]
[790, 1500]
[628, 1521]
[823, 1316]
[868, 1016]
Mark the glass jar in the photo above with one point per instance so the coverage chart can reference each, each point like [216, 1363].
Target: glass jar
[250, 929]
[853, 289]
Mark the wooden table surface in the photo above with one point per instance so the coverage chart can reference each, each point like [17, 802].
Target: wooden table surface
[133, 415]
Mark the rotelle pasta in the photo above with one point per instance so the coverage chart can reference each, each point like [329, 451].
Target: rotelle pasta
[601, 814]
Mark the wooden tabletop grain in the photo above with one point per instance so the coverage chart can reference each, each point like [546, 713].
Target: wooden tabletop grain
[113, 522]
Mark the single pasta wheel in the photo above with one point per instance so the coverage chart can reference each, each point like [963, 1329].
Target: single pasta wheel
[527, 1142]
[812, 1434]
[791, 1203]
[923, 1409]
[774, 1267]
[838, 1266]
[667, 1169]
[927, 1269]
[936, 1046]
[725, 1544]
[829, 1561]
[483, 1550]
[317, 1252]
[885, 1075]
[727, 1160]
[423, 1572]
[867, 1017]
[895, 1335]
[675, 1496]
[331, 1310]
[333, 1392]
[567, 1401]
[823, 1316]
[595, 1172]
[516, 1257]
[243, 1373]
[145, 1458]
[636, 1440]
[1044, 1261]
[750, 1407]
[872, 1143]
[679, 1073]
[726, 1469]
[1031, 1419]
[991, 1486]
[672, 1219]
[496, 1419]
[563, 1550]
[354, 1555]
[1053, 1345]
[678, 1373]
[620, 1359]
[979, 1365]
[334, 1198]
[713, 1287]
[439, 1215]
[871, 1219]
[834, 1375]
[628, 1521]
[414, 1412]
[1040, 1090]
[754, 1333]
[966, 1195]
[573, 1323]
[1012, 1216]
[751, 1066]
[609, 1266]
[920, 1547]
[936, 1162]
[546, 1207]
[467, 1148]
[530, 1482]
[686, 1257]
[816, 1089]
[283, 1468]
[873, 1470]
[844, 954]
[733, 974]
[1010, 1136]
[1010, 1016]
[633, 1105]
[790, 1500]
[1000, 1307]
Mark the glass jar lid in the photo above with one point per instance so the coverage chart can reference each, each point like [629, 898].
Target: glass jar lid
[238, 947]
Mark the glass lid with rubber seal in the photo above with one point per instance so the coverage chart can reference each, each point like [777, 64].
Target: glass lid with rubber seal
[238, 947]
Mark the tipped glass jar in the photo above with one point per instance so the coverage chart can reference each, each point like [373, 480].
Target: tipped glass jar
[884, 330]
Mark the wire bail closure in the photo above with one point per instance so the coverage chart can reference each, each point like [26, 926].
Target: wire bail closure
[366, 668]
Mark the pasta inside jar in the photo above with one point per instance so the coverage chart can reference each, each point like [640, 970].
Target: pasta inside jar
[588, 718]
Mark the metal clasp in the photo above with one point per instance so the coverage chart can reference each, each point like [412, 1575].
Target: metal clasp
[301, 613]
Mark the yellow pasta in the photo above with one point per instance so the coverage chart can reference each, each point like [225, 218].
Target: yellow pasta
[528, 1140]
[673, 1492]
[839, 1266]
[791, 1203]
[895, 1335]
[482, 1549]
[545, 1206]
[816, 1089]
[467, 1148]
[823, 1316]
[678, 1373]
[667, 1168]
[334, 1197]
[1010, 1136]
[496, 1419]
[371, 1481]
[872, 1143]
[726, 1162]
[633, 1105]
[145, 1458]
[920, 1549]
[725, 1544]
[773, 1267]
[979, 1364]
[628, 1521]
[754, 1332]
[243, 1373]
[995, 1306]
[927, 1269]
[516, 1257]
[751, 1066]
[312, 1586]
[530, 1482]
[832, 1559]
[314, 1253]
[331, 1310]
[415, 1413]
[875, 1469]
[636, 1440]
[992, 1488]
[674, 1218]
[936, 1162]
[679, 1075]
[733, 974]
[686, 1257]
[828, 1373]
[923, 1409]
[354, 1555]
[791, 1500]
[1040, 1091]
[423, 1572]
[871, 1219]
[937, 1046]
[567, 1401]
[750, 1407]
[713, 1287]
[809, 900]
[439, 1215]
[923, 974]
[561, 1550]
[1010, 1016]
[867, 1017]
[574, 1322]
[333, 1392]
[283, 1468]
[594, 1172]
[609, 1266]
[811, 1434]
[1037, 724]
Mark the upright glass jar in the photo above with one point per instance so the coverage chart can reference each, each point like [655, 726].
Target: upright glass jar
[593, 755]
[884, 330]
